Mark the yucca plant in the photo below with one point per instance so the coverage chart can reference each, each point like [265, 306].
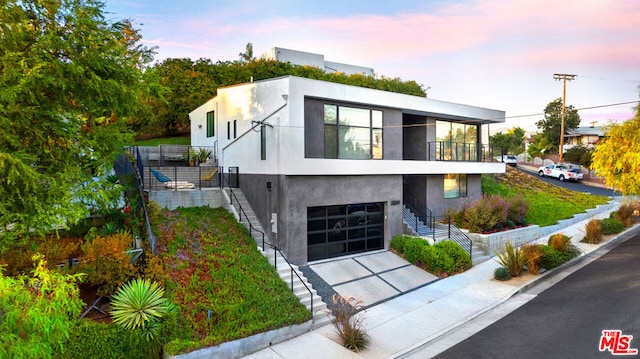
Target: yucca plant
[140, 304]
[511, 258]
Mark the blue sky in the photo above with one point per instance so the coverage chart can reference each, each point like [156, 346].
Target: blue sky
[499, 54]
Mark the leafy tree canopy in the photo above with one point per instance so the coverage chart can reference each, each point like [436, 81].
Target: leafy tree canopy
[551, 124]
[579, 154]
[191, 83]
[69, 81]
[510, 142]
[617, 156]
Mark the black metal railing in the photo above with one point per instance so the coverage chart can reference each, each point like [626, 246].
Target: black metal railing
[462, 152]
[420, 218]
[175, 178]
[123, 167]
[235, 203]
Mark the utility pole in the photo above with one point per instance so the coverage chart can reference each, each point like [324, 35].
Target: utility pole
[563, 77]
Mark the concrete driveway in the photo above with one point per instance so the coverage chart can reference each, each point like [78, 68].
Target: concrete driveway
[374, 277]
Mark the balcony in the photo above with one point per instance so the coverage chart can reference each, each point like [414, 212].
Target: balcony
[461, 152]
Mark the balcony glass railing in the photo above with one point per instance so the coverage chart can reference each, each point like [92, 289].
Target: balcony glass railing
[462, 152]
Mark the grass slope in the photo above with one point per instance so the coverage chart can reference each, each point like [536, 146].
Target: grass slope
[548, 203]
[214, 265]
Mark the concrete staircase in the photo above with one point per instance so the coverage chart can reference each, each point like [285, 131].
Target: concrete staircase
[286, 271]
[479, 252]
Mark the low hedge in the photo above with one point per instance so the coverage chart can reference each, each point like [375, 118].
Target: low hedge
[611, 226]
[90, 339]
[443, 257]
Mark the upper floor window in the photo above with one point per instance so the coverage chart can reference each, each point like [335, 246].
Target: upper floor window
[352, 133]
[211, 124]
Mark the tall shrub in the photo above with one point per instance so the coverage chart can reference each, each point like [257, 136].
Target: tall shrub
[517, 210]
[37, 313]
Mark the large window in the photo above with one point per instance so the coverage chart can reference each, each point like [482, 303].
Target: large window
[352, 133]
[455, 185]
[211, 124]
[456, 141]
[344, 229]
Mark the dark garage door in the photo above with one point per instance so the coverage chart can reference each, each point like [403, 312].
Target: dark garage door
[334, 231]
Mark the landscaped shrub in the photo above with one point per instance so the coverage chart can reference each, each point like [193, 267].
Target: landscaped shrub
[485, 214]
[89, 339]
[533, 257]
[445, 257]
[502, 274]
[551, 257]
[398, 243]
[593, 232]
[348, 320]
[106, 263]
[461, 258]
[611, 226]
[413, 249]
[559, 241]
[625, 214]
[517, 210]
[511, 258]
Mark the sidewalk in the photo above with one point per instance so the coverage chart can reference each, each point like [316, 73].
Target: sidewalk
[420, 317]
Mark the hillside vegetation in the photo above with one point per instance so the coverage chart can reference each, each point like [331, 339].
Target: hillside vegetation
[548, 203]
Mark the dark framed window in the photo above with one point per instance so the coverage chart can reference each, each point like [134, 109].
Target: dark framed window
[211, 124]
[455, 185]
[228, 130]
[352, 133]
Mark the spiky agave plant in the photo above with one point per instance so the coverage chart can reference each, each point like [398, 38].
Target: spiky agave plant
[140, 304]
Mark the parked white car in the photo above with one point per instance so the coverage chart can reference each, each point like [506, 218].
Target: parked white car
[511, 160]
[561, 171]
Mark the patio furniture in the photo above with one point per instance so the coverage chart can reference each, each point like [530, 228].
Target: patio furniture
[168, 183]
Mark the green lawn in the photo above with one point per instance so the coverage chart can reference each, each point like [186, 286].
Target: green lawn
[164, 141]
[225, 287]
[548, 203]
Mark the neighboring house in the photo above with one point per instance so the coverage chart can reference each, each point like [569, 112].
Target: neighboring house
[327, 167]
[583, 136]
[316, 60]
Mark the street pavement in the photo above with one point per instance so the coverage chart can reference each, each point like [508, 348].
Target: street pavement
[423, 317]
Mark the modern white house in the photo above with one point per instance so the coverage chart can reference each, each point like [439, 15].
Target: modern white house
[328, 168]
[304, 58]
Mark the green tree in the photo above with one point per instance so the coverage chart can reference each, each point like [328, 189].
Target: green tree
[189, 85]
[551, 124]
[69, 82]
[247, 55]
[37, 313]
[539, 146]
[617, 156]
[510, 142]
[579, 154]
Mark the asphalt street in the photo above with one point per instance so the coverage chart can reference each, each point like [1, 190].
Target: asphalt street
[574, 186]
[567, 320]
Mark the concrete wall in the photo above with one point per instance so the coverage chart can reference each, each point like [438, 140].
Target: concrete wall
[300, 192]
[435, 194]
[414, 138]
[263, 202]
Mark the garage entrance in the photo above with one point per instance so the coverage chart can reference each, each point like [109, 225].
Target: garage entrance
[334, 231]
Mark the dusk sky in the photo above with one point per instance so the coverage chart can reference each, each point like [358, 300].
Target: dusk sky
[499, 54]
